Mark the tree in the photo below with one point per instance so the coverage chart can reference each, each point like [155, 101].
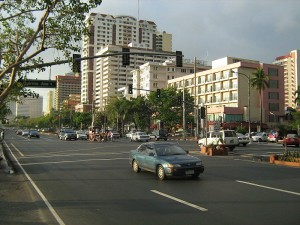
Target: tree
[29, 28]
[260, 82]
[168, 109]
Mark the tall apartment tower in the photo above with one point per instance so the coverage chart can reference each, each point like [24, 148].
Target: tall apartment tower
[29, 107]
[291, 65]
[66, 85]
[116, 30]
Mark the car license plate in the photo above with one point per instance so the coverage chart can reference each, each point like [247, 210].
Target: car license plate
[189, 172]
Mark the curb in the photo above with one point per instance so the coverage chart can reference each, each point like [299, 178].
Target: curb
[4, 163]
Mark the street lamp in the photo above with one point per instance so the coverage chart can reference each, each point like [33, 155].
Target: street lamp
[249, 123]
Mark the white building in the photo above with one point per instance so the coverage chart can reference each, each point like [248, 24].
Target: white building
[152, 75]
[111, 75]
[31, 107]
[116, 30]
[291, 65]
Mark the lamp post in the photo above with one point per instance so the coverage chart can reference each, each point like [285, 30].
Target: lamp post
[249, 123]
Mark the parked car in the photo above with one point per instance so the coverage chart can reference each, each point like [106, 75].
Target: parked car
[165, 159]
[81, 135]
[115, 134]
[129, 135]
[159, 134]
[272, 137]
[19, 132]
[25, 132]
[67, 134]
[291, 139]
[243, 139]
[33, 133]
[260, 137]
[140, 136]
[225, 138]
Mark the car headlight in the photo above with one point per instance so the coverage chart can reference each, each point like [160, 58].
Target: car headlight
[173, 165]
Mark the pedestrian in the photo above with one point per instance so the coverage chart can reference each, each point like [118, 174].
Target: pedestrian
[110, 135]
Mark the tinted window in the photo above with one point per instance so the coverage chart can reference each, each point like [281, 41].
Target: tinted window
[230, 134]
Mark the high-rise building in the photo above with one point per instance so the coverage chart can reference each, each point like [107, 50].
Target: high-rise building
[116, 30]
[50, 103]
[31, 107]
[291, 65]
[66, 85]
[111, 75]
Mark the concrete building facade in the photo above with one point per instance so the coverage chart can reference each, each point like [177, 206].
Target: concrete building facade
[291, 65]
[116, 30]
[66, 85]
[31, 107]
[223, 90]
[111, 75]
[153, 76]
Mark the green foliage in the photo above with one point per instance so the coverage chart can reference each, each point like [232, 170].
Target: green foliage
[29, 28]
[241, 130]
[260, 82]
[290, 156]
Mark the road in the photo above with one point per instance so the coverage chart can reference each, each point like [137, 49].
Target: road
[80, 182]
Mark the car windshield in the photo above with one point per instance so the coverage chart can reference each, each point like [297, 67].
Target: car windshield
[166, 149]
[291, 135]
[229, 133]
[69, 131]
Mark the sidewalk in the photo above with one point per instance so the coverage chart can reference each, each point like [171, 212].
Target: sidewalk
[18, 203]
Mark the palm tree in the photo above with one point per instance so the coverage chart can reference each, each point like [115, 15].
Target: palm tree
[260, 82]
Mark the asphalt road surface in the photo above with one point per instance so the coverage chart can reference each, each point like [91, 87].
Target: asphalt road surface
[82, 182]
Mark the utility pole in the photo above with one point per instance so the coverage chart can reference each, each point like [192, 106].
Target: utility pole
[195, 101]
[183, 111]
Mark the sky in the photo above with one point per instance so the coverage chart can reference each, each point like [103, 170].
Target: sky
[212, 29]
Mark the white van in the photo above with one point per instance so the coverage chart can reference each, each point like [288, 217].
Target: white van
[226, 138]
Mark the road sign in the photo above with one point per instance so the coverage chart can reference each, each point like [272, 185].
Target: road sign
[40, 83]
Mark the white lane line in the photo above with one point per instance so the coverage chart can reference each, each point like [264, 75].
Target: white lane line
[262, 186]
[69, 161]
[181, 201]
[52, 210]
[49, 155]
[20, 153]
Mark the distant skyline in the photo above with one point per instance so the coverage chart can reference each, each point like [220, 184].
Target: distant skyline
[213, 29]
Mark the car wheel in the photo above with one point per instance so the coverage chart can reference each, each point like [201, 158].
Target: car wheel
[244, 145]
[297, 145]
[161, 173]
[66, 138]
[231, 149]
[165, 139]
[135, 167]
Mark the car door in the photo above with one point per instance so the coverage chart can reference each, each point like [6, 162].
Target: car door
[140, 156]
[150, 158]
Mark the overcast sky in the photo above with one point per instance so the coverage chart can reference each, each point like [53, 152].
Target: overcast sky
[213, 29]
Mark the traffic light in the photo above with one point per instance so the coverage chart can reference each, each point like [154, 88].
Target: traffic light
[130, 89]
[158, 93]
[125, 57]
[202, 112]
[178, 58]
[76, 67]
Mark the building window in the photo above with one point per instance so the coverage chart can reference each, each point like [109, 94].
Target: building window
[273, 95]
[273, 107]
[273, 84]
[273, 72]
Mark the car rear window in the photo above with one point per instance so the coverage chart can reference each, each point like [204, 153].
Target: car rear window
[229, 133]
